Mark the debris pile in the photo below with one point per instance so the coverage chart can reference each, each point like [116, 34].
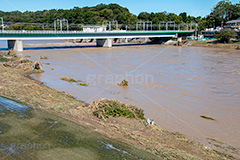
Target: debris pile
[123, 83]
[37, 66]
[105, 107]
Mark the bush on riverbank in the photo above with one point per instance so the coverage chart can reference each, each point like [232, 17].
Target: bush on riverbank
[224, 36]
[105, 108]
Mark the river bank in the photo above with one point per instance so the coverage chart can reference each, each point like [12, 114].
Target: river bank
[15, 83]
[215, 45]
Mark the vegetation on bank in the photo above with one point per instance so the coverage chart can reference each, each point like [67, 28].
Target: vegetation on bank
[221, 13]
[216, 44]
[105, 108]
[224, 36]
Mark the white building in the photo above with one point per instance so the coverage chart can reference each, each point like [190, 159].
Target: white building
[234, 24]
[94, 28]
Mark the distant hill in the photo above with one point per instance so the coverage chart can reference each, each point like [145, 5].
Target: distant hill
[85, 15]
[220, 14]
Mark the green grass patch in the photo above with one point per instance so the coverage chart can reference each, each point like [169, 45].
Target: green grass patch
[46, 136]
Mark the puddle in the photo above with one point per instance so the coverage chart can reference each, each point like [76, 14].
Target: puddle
[9, 106]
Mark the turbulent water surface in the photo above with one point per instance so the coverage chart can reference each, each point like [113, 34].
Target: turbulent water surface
[174, 85]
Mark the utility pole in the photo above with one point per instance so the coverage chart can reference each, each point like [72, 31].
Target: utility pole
[148, 23]
[140, 23]
[65, 20]
[60, 21]
[60, 25]
[107, 23]
[115, 22]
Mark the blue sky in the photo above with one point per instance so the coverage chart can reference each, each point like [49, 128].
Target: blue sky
[192, 7]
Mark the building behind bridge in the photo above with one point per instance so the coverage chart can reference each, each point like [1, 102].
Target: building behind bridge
[233, 24]
[94, 28]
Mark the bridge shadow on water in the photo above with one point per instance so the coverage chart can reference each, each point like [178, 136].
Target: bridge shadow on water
[72, 47]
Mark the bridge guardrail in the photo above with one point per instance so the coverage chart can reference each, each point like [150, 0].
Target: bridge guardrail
[27, 31]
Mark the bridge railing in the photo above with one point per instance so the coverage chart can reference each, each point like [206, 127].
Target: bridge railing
[147, 26]
[115, 31]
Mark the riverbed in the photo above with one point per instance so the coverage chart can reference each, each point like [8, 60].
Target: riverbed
[174, 85]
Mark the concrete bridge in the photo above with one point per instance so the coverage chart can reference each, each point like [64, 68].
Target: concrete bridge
[104, 39]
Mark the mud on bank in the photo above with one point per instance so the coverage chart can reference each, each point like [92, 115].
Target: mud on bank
[16, 84]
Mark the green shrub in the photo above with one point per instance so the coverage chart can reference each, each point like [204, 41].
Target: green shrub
[224, 35]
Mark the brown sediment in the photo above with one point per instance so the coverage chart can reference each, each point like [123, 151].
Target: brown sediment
[17, 84]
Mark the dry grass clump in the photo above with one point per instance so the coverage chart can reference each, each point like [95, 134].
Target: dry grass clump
[3, 58]
[21, 63]
[105, 107]
[23, 60]
[123, 83]
[68, 79]
[42, 57]
[10, 60]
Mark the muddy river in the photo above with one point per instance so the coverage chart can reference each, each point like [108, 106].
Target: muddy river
[174, 85]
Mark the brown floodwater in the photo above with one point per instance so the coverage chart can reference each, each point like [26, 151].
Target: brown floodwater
[174, 85]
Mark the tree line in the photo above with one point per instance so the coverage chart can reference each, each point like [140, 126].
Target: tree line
[220, 14]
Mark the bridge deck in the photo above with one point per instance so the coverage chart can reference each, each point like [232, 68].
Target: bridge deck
[37, 35]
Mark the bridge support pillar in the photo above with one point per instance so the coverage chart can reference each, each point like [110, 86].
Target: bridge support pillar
[104, 42]
[16, 45]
